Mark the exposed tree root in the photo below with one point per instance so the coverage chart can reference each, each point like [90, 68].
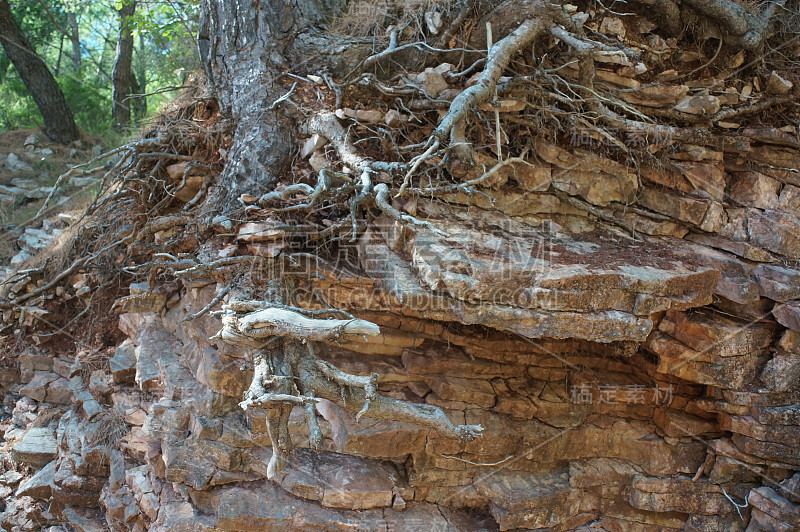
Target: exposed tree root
[279, 322]
[287, 372]
[746, 30]
[294, 376]
[499, 57]
[382, 201]
[327, 125]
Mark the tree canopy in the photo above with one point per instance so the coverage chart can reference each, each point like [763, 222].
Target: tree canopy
[77, 39]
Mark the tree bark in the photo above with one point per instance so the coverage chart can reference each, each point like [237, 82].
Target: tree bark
[59, 124]
[122, 73]
[244, 53]
[76, 42]
[60, 55]
[140, 83]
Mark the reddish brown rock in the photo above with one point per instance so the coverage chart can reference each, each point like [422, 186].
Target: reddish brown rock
[703, 175]
[778, 85]
[754, 189]
[776, 282]
[473, 391]
[776, 231]
[678, 494]
[37, 448]
[788, 314]
[781, 415]
[36, 389]
[700, 104]
[542, 501]
[769, 502]
[778, 452]
[600, 181]
[259, 232]
[656, 96]
[355, 484]
[790, 200]
[40, 485]
[710, 349]
[750, 427]
[678, 424]
[790, 342]
[782, 372]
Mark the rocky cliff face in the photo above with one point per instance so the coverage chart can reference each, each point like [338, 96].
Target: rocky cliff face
[625, 331]
[622, 384]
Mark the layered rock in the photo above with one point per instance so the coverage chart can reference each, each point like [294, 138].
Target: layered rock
[633, 384]
[628, 337]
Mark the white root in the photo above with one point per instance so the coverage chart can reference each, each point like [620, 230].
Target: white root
[418, 160]
[499, 58]
[267, 398]
[327, 125]
[279, 322]
[382, 201]
[467, 185]
[314, 432]
[294, 376]
[286, 193]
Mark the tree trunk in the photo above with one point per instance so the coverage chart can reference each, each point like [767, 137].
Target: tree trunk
[245, 53]
[72, 16]
[60, 54]
[59, 124]
[140, 83]
[122, 73]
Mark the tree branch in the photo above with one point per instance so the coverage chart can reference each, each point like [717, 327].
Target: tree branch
[499, 58]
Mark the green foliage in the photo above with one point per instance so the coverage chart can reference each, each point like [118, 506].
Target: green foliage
[165, 52]
[18, 109]
[89, 103]
[35, 22]
[167, 22]
[169, 28]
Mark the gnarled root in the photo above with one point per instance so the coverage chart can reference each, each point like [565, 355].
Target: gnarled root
[382, 201]
[499, 58]
[272, 392]
[356, 396]
[279, 322]
[334, 374]
[302, 378]
[743, 28]
[314, 432]
[278, 427]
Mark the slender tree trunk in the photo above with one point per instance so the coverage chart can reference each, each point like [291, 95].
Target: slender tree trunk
[140, 83]
[76, 41]
[59, 124]
[122, 73]
[60, 54]
[100, 71]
